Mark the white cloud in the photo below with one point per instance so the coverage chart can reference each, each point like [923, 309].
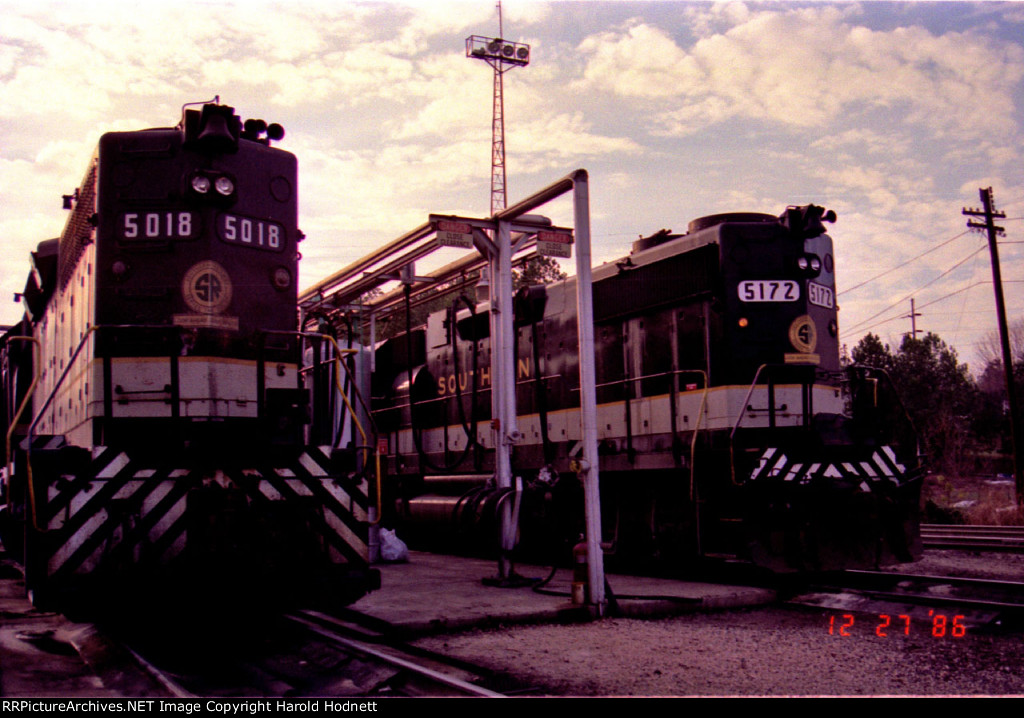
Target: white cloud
[640, 61]
[805, 67]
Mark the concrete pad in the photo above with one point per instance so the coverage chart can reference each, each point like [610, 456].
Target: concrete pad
[433, 593]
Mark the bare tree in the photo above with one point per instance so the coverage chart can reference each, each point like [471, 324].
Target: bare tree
[990, 349]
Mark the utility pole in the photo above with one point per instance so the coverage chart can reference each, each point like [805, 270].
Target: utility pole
[990, 214]
[914, 314]
[502, 56]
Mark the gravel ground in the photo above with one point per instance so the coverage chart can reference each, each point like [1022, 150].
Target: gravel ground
[773, 651]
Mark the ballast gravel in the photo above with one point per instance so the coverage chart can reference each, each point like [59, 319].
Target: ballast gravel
[774, 651]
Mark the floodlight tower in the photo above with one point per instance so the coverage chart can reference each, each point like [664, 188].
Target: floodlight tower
[502, 55]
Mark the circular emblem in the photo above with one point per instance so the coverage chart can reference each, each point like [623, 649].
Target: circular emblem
[803, 335]
[206, 288]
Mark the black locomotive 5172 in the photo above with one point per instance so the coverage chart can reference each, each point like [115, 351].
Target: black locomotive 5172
[728, 426]
[154, 399]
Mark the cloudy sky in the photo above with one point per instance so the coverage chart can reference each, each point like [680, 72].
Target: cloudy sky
[892, 114]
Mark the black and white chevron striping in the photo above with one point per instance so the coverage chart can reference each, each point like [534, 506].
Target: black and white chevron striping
[120, 512]
[881, 465]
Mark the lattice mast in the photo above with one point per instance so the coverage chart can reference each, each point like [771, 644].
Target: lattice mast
[501, 55]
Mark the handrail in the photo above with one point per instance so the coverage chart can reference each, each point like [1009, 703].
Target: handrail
[338, 354]
[36, 360]
[739, 419]
[892, 391]
[696, 429]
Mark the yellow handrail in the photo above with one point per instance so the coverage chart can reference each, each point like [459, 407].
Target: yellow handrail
[338, 353]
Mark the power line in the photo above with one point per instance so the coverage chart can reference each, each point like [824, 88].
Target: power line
[907, 296]
[936, 301]
[923, 254]
[904, 264]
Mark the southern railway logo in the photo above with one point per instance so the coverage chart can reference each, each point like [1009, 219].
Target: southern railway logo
[803, 335]
[206, 288]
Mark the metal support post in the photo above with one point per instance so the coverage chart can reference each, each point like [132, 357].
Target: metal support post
[588, 396]
[503, 384]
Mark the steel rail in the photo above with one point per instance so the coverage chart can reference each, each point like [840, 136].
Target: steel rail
[1009, 539]
[405, 664]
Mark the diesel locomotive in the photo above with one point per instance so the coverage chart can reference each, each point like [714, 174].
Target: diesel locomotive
[155, 405]
[729, 427]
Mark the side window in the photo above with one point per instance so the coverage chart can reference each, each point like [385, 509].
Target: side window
[656, 358]
[691, 344]
[609, 363]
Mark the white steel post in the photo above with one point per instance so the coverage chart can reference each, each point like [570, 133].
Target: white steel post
[588, 398]
[503, 383]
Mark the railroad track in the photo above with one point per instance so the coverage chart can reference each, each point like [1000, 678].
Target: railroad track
[977, 538]
[420, 672]
[300, 654]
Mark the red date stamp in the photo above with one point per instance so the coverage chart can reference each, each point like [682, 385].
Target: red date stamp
[942, 626]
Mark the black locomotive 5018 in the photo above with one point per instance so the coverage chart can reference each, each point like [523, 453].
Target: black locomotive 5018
[728, 426]
[155, 404]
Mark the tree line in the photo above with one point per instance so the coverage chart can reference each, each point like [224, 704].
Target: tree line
[959, 417]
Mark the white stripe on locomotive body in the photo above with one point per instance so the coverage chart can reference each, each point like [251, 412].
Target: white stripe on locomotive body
[165, 522]
[346, 534]
[343, 498]
[268, 490]
[309, 464]
[131, 486]
[54, 493]
[893, 462]
[114, 467]
[72, 545]
[779, 465]
[794, 472]
[299, 488]
[77, 502]
[650, 417]
[209, 388]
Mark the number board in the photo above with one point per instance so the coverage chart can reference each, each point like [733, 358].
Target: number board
[820, 295]
[156, 226]
[768, 290]
[249, 232]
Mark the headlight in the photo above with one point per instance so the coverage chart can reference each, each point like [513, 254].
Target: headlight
[201, 184]
[224, 186]
[212, 186]
[809, 265]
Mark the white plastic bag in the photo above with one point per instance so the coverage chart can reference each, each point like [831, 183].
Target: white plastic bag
[392, 548]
